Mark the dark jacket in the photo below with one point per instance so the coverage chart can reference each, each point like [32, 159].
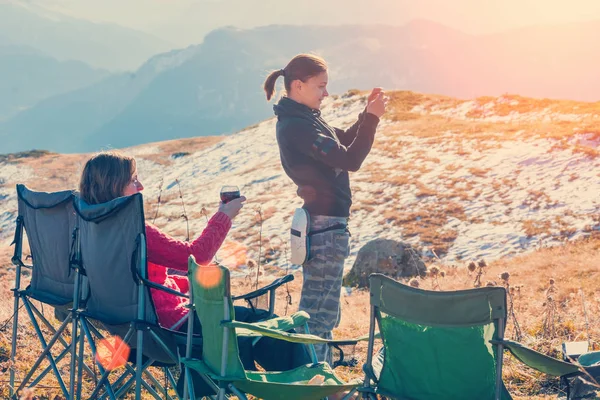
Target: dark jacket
[317, 157]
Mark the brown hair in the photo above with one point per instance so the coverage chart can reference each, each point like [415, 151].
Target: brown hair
[303, 67]
[105, 177]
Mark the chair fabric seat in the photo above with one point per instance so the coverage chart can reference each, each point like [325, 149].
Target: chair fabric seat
[48, 298]
[284, 385]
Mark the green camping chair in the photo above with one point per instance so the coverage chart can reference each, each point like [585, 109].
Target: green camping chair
[221, 354]
[444, 345]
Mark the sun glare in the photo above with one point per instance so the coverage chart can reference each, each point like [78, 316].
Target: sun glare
[112, 352]
[208, 276]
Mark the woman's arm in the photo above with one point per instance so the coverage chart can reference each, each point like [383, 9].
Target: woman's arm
[347, 136]
[302, 136]
[169, 252]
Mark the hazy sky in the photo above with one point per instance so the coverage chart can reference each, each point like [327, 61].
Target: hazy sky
[181, 20]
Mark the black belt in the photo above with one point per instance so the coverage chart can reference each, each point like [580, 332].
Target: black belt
[330, 228]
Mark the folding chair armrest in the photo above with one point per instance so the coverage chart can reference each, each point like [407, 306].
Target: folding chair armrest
[345, 342]
[16, 261]
[270, 287]
[252, 330]
[536, 360]
[259, 329]
[164, 288]
[285, 323]
[344, 350]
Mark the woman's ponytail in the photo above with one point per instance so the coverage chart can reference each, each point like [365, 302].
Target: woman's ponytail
[269, 85]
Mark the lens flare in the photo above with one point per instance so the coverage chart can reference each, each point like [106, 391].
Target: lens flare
[112, 352]
[208, 276]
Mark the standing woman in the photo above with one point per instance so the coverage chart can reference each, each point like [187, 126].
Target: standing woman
[317, 157]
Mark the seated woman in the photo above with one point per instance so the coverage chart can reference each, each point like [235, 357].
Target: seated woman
[109, 175]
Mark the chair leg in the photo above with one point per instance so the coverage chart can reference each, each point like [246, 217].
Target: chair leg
[98, 387]
[123, 389]
[565, 380]
[80, 363]
[13, 350]
[171, 378]
[119, 388]
[190, 386]
[67, 346]
[237, 392]
[73, 348]
[46, 352]
[311, 347]
[128, 382]
[188, 390]
[49, 325]
[49, 368]
[138, 364]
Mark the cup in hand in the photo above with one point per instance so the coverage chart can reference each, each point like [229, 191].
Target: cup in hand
[229, 193]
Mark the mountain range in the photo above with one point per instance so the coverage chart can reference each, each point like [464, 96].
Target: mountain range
[214, 88]
[101, 45]
[35, 76]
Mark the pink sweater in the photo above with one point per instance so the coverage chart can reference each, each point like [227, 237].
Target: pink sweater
[166, 252]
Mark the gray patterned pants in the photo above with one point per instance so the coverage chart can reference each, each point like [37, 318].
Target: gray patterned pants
[322, 275]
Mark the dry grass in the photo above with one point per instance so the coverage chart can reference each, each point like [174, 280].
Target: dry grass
[55, 170]
[489, 134]
[172, 149]
[404, 101]
[571, 267]
[528, 105]
[535, 228]
[426, 221]
[536, 198]
[479, 172]
[424, 191]
[63, 170]
[190, 144]
[588, 151]
[23, 155]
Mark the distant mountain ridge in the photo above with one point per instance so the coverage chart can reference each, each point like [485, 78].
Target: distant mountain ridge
[27, 76]
[215, 87]
[106, 46]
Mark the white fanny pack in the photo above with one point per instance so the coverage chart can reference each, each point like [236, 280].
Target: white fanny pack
[299, 237]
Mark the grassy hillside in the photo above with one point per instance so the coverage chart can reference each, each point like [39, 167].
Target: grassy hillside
[492, 191]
